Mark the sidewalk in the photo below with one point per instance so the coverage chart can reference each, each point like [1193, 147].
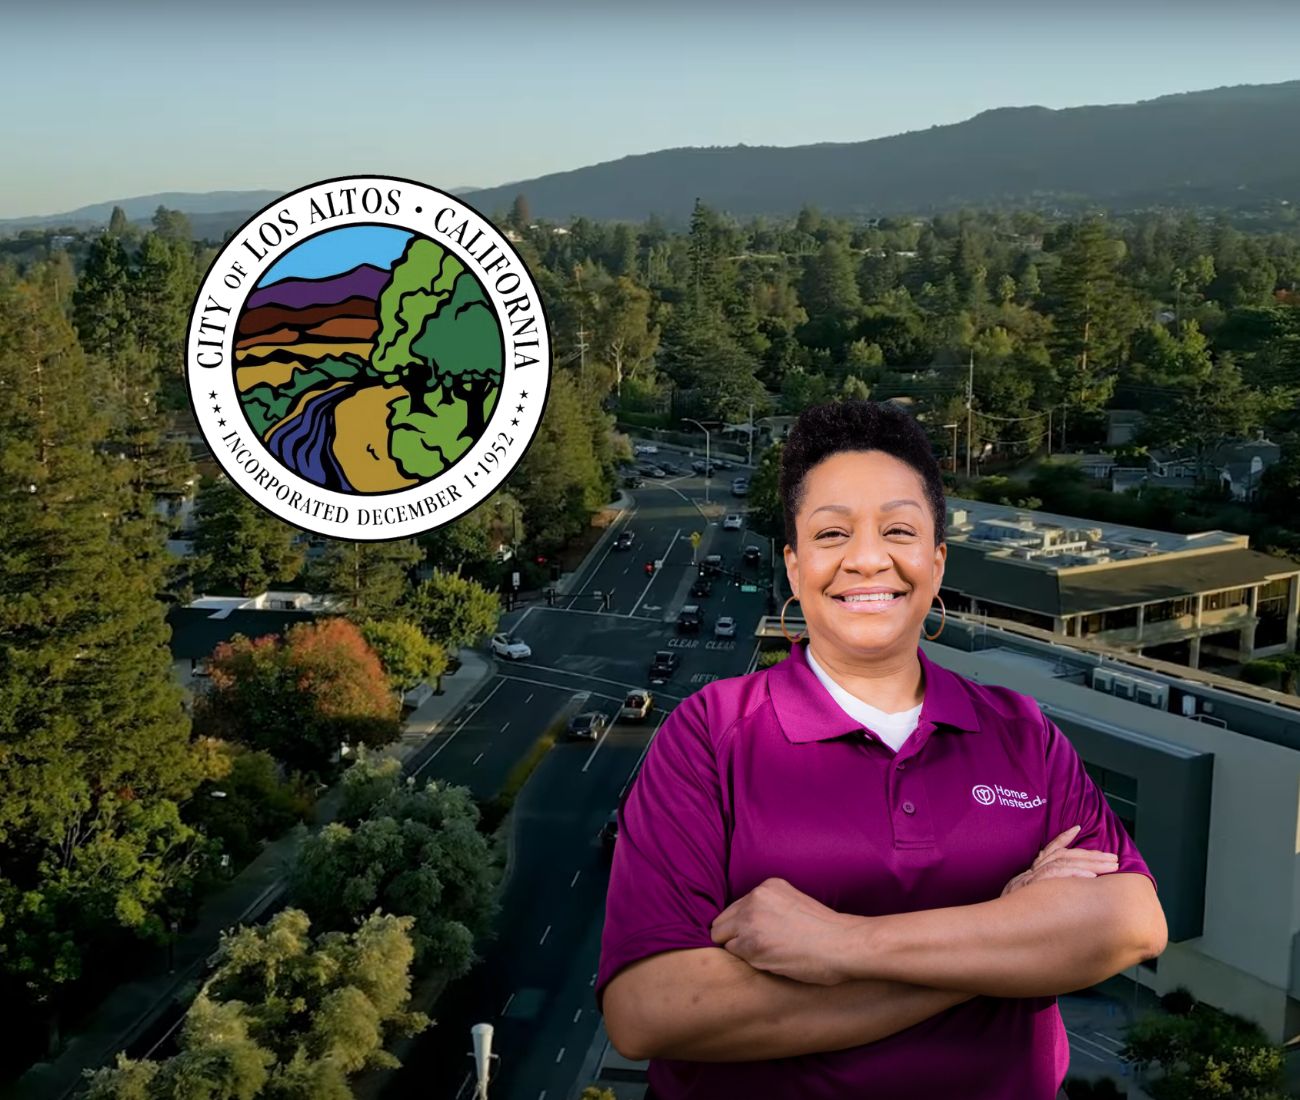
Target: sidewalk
[135, 1008]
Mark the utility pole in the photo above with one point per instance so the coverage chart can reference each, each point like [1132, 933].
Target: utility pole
[1049, 433]
[750, 460]
[970, 408]
[582, 354]
[954, 426]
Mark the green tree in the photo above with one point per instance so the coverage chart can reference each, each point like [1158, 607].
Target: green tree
[765, 513]
[1205, 1055]
[301, 697]
[372, 578]
[101, 303]
[163, 280]
[118, 225]
[470, 544]
[96, 748]
[623, 332]
[408, 657]
[521, 217]
[453, 610]
[247, 801]
[1214, 410]
[284, 1017]
[238, 545]
[420, 854]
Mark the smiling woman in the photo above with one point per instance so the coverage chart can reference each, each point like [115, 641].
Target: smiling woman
[819, 891]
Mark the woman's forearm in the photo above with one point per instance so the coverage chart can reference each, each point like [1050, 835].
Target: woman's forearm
[705, 1005]
[1043, 940]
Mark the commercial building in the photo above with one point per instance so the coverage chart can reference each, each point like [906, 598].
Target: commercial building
[1179, 598]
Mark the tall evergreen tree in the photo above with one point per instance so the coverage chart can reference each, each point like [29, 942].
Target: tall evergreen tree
[371, 577]
[95, 743]
[238, 545]
[102, 301]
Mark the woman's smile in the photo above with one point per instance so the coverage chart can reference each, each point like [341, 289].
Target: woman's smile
[873, 604]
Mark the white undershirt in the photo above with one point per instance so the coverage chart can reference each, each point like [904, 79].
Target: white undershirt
[892, 729]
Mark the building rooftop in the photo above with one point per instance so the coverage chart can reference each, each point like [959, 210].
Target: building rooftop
[1058, 565]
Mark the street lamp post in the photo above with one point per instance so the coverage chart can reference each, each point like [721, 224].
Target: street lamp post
[708, 465]
[954, 445]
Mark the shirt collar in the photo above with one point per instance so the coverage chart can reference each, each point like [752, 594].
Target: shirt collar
[807, 712]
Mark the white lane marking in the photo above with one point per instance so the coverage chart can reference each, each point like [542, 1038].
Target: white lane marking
[469, 1077]
[527, 611]
[652, 579]
[541, 1095]
[1076, 1037]
[637, 766]
[596, 747]
[530, 698]
[577, 1015]
[620, 684]
[560, 1057]
[1110, 1040]
[575, 879]
[591, 573]
[477, 759]
[506, 1007]
[459, 726]
[593, 980]
[544, 935]
[505, 727]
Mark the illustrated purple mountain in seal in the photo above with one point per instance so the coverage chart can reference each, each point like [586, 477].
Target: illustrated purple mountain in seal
[364, 281]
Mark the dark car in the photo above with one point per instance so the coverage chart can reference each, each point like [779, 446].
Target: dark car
[609, 833]
[702, 587]
[652, 471]
[711, 565]
[752, 555]
[587, 726]
[689, 619]
[635, 482]
[623, 540]
[669, 468]
[663, 666]
[722, 464]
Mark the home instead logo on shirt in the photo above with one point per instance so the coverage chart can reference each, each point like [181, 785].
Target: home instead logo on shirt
[1004, 796]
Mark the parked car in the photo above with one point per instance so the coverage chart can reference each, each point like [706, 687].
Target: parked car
[636, 706]
[665, 663]
[733, 522]
[634, 482]
[699, 466]
[711, 565]
[740, 487]
[507, 645]
[725, 627]
[671, 470]
[689, 619]
[645, 449]
[652, 471]
[753, 555]
[723, 464]
[609, 834]
[587, 726]
[702, 587]
[623, 540]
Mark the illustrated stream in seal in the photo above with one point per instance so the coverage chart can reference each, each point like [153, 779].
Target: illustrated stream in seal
[368, 358]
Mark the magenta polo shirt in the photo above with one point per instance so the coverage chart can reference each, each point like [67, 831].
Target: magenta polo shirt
[765, 776]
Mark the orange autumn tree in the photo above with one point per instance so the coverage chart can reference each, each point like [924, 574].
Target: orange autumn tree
[301, 696]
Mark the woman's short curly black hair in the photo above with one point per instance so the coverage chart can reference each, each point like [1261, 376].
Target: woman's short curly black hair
[825, 430]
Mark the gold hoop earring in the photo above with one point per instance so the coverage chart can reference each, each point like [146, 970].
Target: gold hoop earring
[789, 639]
[943, 621]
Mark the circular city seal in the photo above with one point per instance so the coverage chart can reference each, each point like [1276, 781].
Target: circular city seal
[368, 358]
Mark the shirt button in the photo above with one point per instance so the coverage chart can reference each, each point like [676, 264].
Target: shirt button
[908, 808]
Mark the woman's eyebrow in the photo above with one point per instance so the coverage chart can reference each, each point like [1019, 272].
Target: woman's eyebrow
[888, 506]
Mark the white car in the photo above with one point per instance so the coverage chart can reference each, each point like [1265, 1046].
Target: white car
[507, 645]
[645, 449]
[733, 522]
[725, 627]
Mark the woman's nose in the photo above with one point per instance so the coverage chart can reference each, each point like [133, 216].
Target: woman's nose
[867, 552]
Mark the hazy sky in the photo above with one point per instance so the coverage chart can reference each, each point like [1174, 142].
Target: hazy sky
[109, 100]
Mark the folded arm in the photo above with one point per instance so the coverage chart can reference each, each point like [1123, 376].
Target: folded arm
[1046, 939]
[705, 1005]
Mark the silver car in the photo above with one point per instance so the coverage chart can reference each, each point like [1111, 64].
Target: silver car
[725, 627]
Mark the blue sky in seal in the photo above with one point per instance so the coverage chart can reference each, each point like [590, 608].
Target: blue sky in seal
[117, 99]
[338, 250]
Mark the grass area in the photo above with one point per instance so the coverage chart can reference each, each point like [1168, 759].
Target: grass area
[493, 811]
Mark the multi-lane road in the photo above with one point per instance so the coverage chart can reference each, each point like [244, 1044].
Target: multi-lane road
[534, 984]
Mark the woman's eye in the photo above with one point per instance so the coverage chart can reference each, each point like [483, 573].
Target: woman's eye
[829, 534]
[898, 531]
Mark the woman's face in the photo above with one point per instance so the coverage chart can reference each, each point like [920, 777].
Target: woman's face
[864, 525]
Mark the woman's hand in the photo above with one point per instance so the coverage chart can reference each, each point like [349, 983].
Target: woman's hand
[779, 929]
[1059, 861]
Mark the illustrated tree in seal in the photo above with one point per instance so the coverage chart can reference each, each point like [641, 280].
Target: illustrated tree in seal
[440, 340]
